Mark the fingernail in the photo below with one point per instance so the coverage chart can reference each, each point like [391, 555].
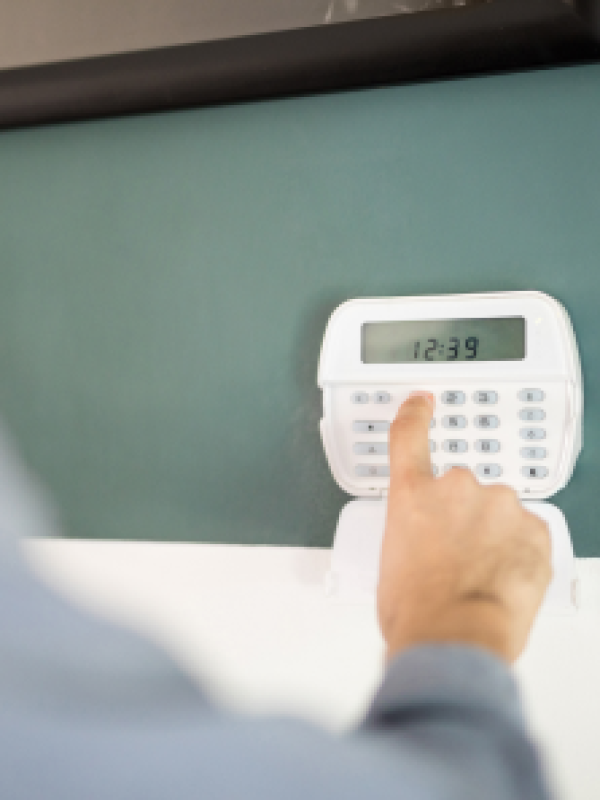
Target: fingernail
[427, 395]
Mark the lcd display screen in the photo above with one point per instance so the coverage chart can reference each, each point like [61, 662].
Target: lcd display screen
[447, 340]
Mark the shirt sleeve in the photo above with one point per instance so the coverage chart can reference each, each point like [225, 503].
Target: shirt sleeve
[457, 711]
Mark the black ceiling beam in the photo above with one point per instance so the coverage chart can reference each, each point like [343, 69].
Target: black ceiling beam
[497, 36]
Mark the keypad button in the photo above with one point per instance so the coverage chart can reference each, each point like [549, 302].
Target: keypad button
[432, 446]
[488, 470]
[454, 421]
[533, 452]
[485, 398]
[487, 421]
[448, 467]
[372, 471]
[455, 446]
[487, 446]
[382, 397]
[453, 398]
[532, 434]
[435, 470]
[374, 449]
[432, 424]
[534, 472]
[531, 395]
[360, 398]
[532, 414]
[371, 427]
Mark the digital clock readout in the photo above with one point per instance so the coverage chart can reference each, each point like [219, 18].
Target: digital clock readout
[429, 341]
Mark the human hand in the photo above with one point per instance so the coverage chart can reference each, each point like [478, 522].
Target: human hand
[460, 562]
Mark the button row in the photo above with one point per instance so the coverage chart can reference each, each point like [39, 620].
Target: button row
[481, 470]
[452, 446]
[482, 421]
[449, 446]
[453, 423]
[362, 398]
[454, 398]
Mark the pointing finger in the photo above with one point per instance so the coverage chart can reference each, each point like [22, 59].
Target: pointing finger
[409, 437]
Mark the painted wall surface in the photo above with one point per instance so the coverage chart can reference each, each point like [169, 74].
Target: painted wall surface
[165, 282]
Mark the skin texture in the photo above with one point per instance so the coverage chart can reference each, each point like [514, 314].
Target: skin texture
[461, 562]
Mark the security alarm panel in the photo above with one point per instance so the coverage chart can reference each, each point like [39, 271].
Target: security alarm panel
[505, 373]
[504, 369]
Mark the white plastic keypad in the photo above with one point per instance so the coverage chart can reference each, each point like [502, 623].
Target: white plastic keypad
[505, 372]
[515, 420]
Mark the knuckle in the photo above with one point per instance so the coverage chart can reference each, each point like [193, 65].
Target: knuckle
[460, 481]
[503, 498]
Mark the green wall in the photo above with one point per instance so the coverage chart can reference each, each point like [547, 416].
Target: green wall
[165, 282]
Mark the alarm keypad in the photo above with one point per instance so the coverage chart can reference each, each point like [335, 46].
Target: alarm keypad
[503, 456]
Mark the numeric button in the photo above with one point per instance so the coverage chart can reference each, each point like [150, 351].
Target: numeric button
[534, 472]
[453, 398]
[531, 395]
[454, 421]
[372, 471]
[360, 398]
[533, 452]
[371, 427]
[485, 398]
[532, 414]
[532, 434]
[488, 470]
[487, 446]
[455, 446]
[487, 421]
[374, 449]
[382, 397]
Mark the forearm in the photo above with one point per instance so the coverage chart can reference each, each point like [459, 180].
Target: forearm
[456, 712]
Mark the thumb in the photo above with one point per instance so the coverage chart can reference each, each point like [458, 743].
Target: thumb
[409, 437]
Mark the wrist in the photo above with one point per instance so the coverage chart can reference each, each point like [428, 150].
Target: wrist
[480, 623]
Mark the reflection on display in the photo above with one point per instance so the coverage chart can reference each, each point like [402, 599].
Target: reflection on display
[423, 341]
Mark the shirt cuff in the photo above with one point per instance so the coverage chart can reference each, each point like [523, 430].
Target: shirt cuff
[446, 676]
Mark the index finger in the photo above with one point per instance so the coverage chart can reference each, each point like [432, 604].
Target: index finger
[409, 437]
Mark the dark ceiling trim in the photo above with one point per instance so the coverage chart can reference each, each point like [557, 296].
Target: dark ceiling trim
[497, 36]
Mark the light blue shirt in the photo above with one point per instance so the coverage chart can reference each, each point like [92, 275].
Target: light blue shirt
[92, 712]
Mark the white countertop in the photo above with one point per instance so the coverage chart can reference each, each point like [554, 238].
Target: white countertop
[255, 625]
